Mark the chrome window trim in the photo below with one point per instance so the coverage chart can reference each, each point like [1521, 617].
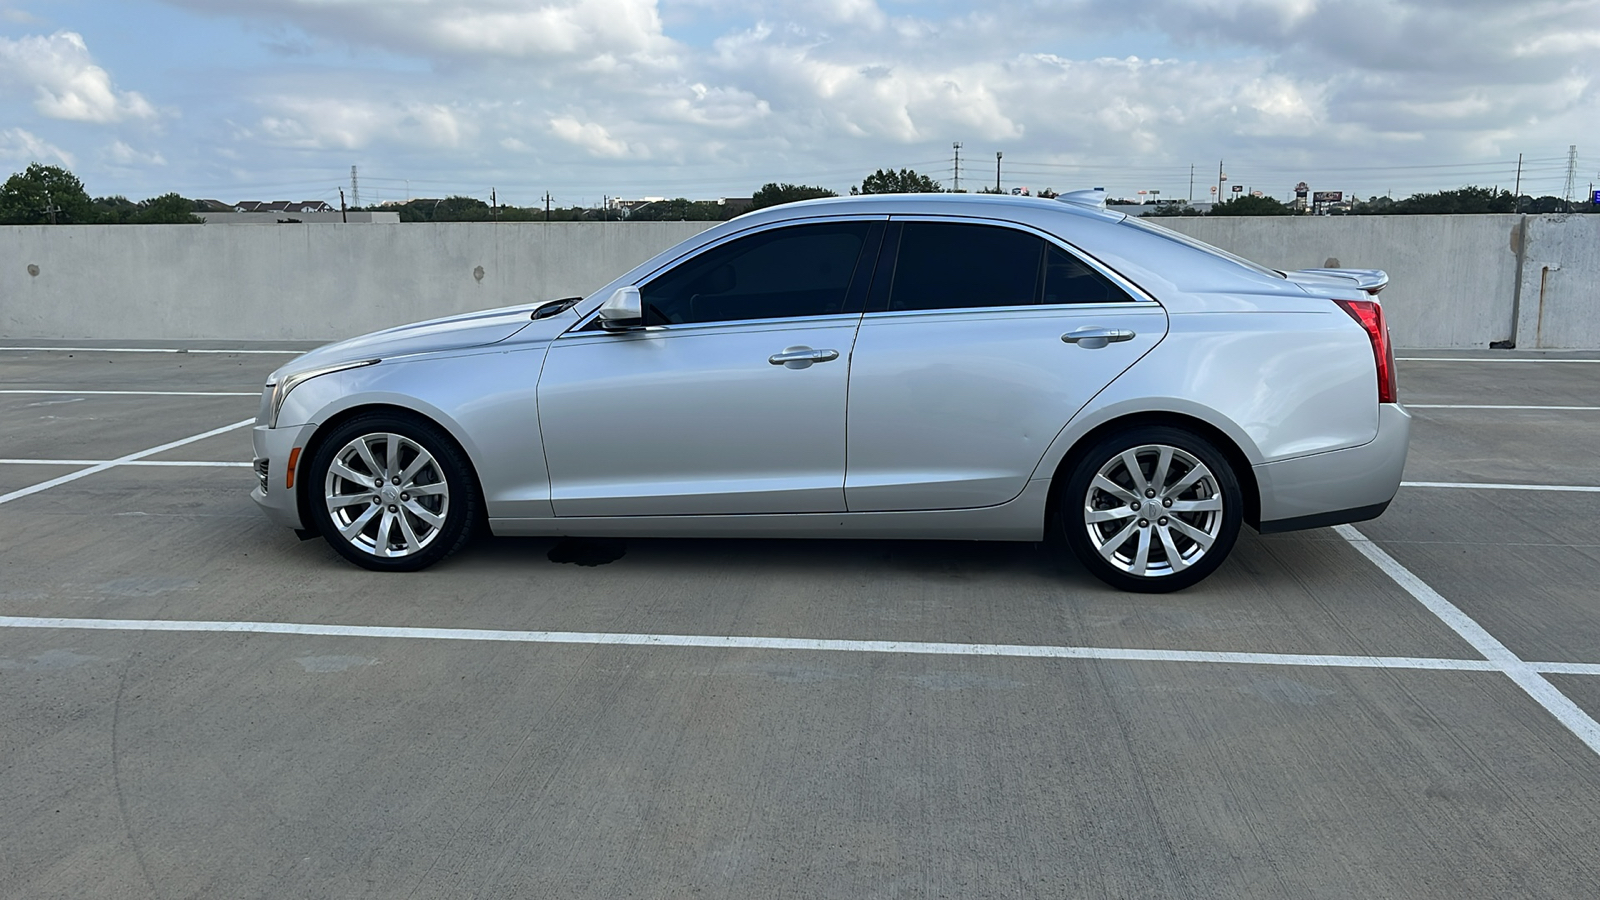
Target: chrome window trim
[1140, 295]
[690, 329]
[728, 238]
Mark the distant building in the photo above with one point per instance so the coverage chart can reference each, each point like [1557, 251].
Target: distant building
[330, 217]
[284, 206]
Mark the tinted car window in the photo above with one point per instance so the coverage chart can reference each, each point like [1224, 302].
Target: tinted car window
[803, 270]
[945, 265]
[1068, 279]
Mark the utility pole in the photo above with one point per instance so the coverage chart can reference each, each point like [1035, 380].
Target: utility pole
[547, 206]
[1517, 192]
[355, 189]
[343, 216]
[1220, 179]
[957, 146]
[997, 155]
[50, 207]
[1190, 201]
[494, 207]
[1572, 175]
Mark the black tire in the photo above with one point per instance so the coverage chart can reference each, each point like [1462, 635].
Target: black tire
[1176, 554]
[400, 532]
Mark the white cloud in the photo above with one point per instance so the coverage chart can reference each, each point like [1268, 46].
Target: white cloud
[317, 123]
[66, 82]
[19, 148]
[18, 16]
[121, 154]
[591, 136]
[549, 29]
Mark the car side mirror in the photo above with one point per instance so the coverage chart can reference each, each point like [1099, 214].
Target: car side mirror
[623, 310]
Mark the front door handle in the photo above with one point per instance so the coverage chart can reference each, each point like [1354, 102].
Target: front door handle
[801, 357]
[1094, 337]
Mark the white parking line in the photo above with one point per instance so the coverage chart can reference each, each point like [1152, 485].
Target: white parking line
[1487, 406]
[1527, 676]
[1490, 486]
[119, 461]
[111, 463]
[139, 393]
[736, 642]
[1480, 360]
[142, 350]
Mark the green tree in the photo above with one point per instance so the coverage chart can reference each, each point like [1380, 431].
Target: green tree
[167, 209]
[45, 195]
[889, 181]
[680, 209]
[1181, 208]
[1246, 205]
[1465, 200]
[114, 210]
[773, 194]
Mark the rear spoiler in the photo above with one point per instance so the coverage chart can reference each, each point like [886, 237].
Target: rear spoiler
[1370, 280]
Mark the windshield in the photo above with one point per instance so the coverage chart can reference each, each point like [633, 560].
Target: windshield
[1202, 246]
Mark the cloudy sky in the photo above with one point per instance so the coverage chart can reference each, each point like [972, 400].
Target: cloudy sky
[277, 99]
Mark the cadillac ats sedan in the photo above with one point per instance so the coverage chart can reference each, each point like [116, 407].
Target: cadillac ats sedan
[934, 366]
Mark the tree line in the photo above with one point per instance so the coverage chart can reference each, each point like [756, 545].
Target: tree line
[1470, 200]
[51, 195]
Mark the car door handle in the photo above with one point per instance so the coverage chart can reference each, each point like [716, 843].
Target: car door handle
[801, 357]
[1093, 338]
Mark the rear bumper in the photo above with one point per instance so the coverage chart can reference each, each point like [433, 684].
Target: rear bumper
[1340, 486]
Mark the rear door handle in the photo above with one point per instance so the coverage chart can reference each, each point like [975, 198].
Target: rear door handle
[801, 357]
[1094, 337]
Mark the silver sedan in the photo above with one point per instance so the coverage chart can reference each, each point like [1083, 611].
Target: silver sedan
[908, 366]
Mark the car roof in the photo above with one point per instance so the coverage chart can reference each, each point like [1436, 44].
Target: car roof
[998, 206]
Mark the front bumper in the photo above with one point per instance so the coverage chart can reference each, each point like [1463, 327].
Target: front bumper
[276, 445]
[1338, 486]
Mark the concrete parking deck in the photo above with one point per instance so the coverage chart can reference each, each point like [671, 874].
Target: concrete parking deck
[196, 703]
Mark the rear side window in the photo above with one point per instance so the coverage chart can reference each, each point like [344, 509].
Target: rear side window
[802, 270]
[949, 265]
[1068, 279]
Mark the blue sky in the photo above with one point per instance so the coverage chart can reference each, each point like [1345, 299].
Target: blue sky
[277, 99]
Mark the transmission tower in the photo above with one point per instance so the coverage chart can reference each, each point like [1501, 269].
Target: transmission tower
[1572, 175]
[355, 189]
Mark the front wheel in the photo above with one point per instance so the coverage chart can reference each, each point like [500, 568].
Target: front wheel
[392, 493]
[1152, 509]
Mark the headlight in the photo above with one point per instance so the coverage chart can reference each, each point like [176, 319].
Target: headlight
[281, 388]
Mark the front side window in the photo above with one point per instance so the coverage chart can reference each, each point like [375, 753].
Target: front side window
[801, 270]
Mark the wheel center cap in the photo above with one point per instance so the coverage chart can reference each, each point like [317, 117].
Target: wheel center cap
[1152, 508]
[390, 494]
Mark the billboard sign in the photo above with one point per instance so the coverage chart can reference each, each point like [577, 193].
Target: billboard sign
[1300, 190]
[1597, 198]
[1327, 196]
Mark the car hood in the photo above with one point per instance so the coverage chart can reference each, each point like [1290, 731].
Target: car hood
[449, 333]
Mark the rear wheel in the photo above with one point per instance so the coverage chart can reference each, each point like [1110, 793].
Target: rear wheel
[392, 493]
[1152, 509]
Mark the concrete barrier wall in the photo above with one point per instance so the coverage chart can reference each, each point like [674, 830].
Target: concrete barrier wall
[1558, 303]
[1452, 279]
[299, 282]
[1457, 281]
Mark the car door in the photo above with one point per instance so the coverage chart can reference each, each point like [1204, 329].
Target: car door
[971, 358]
[731, 398]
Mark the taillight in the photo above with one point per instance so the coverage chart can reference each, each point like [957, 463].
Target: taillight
[1369, 314]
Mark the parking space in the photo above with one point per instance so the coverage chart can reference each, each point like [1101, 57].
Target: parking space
[199, 704]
